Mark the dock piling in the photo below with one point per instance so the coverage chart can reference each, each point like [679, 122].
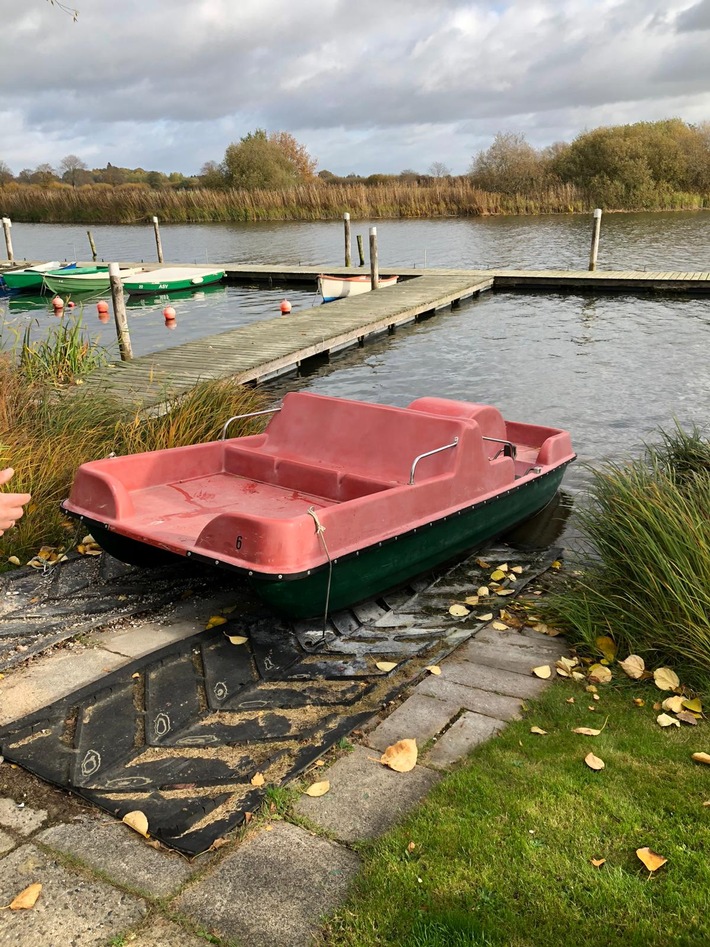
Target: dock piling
[6, 224]
[158, 244]
[360, 250]
[346, 224]
[374, 264]
[119, 313]
[596, 228]
[92, 245]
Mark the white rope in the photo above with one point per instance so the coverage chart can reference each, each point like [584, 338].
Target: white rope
[320, 531]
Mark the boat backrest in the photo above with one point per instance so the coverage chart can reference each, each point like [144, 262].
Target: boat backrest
[369, 440]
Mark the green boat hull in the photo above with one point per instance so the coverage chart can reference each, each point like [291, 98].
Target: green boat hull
[374, 570]
[146, 287]
[23, 281]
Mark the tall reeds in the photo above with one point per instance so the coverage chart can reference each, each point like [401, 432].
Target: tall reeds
[648, 583]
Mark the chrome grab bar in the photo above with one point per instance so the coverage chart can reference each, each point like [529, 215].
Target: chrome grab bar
[252, 414]
[512, 449]
[437, 450]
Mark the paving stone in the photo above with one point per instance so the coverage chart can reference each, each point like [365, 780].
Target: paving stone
[526, 642]
[502, 656]
[22, 819]
[72, 911]
[471, 698]
[6, 842]
[365, 797]
[492, 679]
[163, 933]
[120, 854]
[464, 735]
[274, 890]
[148, 637]
[419, 718]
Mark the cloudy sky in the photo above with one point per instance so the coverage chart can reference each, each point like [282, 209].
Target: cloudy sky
[365, 85]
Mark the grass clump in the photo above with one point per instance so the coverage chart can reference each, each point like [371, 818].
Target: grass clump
[63, 356]
[500, 852]
[648, 583]
[46, 434]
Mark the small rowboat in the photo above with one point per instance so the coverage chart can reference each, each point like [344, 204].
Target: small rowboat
[337, 287]
[30, 277]
[171, 279]
[336, 502]
[82, 279]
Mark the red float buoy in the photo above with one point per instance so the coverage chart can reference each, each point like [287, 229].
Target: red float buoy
[102, 306]
[71, 304]
[285, 306]
[169, 313]
[58, 302]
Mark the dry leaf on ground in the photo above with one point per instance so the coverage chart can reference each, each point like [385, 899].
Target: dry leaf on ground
[484, 591]
[665, 679]
[639, 701]
[651, 860]
[433, 669]
[386, 665]
[215, 620]
[539, 731]
[500, 626]
[458, 611]
[237, 639]
[587, 731]
[486, 617]
[607, 646]
[471, 600]
[257, 779]
[401, 756]
[518, 570]
[497, 575]
[593, 762]
[598, 862]
[701, 757]
[685, 716]
[599, 674]
[483, 564]
[674, 704]
[137, 821]
[544, 671]
[633, 666]
[693, 705]
[665, 720]
[546, 629]
[318, 789]
[26, 899]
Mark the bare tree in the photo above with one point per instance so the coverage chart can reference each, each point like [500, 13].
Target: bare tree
[6, 174]
[439, 170]
[69, 167]
[73, 13]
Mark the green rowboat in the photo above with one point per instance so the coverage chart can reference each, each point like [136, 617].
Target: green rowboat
[172, 279]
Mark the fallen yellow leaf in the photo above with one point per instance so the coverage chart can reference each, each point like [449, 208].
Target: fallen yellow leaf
[505, 592]
[517, 569]
[665, 679]
[257, 779]
[497, 575]
[639, 701]
[546, 629]
[137, 821]
[318, 789]
[538, 731]
[459, 611]
[633, 666]
[674, 704]
[651, 859]
[593, 762]
[483, 564]
[701, 757]
[664, 720]
[599, 674]
[570, 700]
[607, 646]
[14, 560]
[26, 899]
[598, 862]
[471, 600]
[587, 731]
[499, 626]
[556, 564]
[544, 671]
[685, 716]
[484, 591]
[401, 756]
[486, 617]
[502, 568]
[386, 665]
[214, 621]
[411, 846]
[693, 705]
[433, 669]
[237, 639]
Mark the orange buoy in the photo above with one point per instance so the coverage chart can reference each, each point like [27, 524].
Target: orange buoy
[58, 302]
[102, 306]
[285, 306]
[169, 313]
[71, 304]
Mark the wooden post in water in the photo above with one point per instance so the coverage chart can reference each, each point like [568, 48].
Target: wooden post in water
[360, 250]
[595, 238]
[346, 222]
[92, 244]
[158, 244]
[374, 265]
[6, 224]
[119, 313]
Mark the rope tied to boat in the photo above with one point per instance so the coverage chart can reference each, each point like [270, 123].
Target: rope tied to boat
[320, 533]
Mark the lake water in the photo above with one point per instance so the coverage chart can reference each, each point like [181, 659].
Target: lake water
[611, 369]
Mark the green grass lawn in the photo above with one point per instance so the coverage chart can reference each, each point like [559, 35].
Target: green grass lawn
[503, 846]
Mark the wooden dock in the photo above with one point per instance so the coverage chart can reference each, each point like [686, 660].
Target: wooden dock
[273, 347]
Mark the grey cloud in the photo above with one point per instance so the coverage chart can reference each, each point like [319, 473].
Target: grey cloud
[695, 18]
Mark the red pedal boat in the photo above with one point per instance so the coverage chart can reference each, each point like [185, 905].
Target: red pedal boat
[336, 502]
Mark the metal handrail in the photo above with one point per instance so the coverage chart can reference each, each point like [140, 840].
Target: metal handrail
[512, 449]
[252, 414]
[437, 450]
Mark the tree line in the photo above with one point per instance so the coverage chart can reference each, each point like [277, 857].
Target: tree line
[645, 165]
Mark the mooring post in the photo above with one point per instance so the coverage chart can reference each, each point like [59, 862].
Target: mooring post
[360, 250]
[374, 266]
[6, 224]
[158, 244]
[597, 226]
[91, 244]
[346, 223]
[119, 313]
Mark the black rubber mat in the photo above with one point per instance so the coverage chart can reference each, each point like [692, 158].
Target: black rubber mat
[180, 734]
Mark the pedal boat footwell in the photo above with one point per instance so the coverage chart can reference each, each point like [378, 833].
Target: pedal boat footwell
[335, 496]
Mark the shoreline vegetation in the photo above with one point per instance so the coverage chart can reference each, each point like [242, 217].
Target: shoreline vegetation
[646, 166]
[133, 204]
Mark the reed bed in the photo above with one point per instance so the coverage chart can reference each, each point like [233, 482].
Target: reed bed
[648, 583]
[128, 204]
[46, 434]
